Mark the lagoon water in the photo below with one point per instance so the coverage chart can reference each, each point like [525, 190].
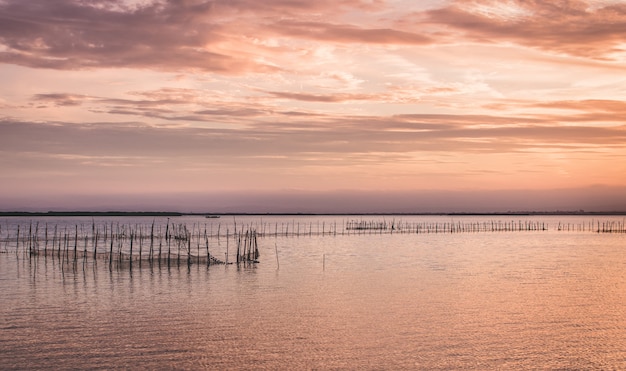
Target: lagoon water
[540, 299]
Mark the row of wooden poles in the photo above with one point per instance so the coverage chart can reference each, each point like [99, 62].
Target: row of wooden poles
[124, 244]
[173, 241]
[179, 233]
[360, 226]
[369, 226]
[247, 247]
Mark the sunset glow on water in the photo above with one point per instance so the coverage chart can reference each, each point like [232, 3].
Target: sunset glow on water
[369, 300]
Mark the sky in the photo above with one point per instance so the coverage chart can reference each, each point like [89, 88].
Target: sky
[313, 106]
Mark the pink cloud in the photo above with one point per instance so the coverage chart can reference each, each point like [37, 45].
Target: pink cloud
[170, 35]
[211, 36]
[326, 98]
[568, 27]
[61, 99]
[347, 33]
[64, 34]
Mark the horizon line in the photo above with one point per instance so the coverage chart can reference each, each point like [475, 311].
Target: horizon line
[218, 214]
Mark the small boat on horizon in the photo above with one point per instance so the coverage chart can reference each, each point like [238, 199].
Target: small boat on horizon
[212, 216]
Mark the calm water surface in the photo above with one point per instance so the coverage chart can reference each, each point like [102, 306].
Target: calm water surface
[489, 300]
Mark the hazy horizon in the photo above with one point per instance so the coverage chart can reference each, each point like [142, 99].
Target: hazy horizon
[313, 106]
[594, 199]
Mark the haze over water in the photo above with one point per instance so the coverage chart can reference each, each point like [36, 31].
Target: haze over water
[541, 299]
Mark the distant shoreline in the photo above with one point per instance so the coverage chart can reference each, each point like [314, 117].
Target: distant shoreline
[176, 214]
[90, 213]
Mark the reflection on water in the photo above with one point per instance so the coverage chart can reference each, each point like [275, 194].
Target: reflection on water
[501, 300]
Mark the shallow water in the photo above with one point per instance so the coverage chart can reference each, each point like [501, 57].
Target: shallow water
[488, 300]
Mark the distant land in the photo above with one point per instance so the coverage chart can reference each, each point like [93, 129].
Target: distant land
[174, 214]
[90, 213]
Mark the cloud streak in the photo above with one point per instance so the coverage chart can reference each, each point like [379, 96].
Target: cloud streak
[72, 35]
[223, 37]
[572, 27]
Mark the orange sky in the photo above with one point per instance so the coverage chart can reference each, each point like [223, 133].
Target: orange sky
[151, 104]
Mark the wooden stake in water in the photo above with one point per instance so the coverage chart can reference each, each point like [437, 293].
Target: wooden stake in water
[17, 241]
[189, 248]
[206, 241]
[277, 263]
[75, 242]
[111, 251]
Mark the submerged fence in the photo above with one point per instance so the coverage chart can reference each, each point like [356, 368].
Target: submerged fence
[120, 244]
[177, 243]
